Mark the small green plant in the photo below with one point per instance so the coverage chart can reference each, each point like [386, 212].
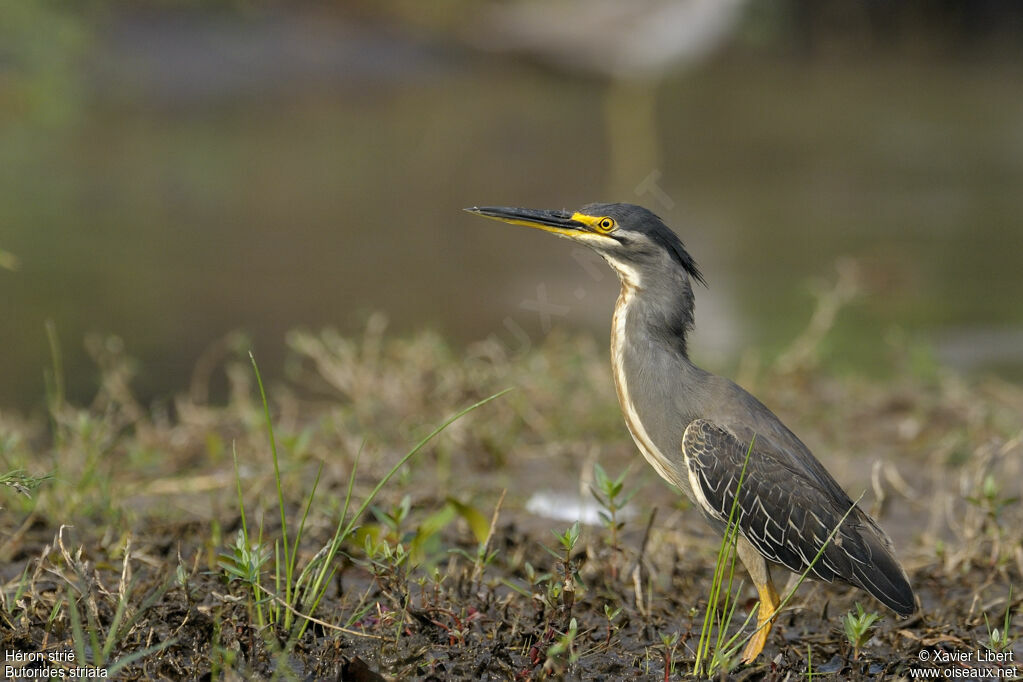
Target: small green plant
[393, 519]
[989, 499]
[999, 640]
[610, 495]
[390, 566]
[858, 628]
[183, 577]
[563, 652]
[422, 541]
[567, 540]
[992, 503]
[389, 563]
[245, 561]
[669, 642]
[610, 614]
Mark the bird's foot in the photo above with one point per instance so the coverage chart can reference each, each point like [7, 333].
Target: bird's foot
[767, 611]
[755, 645]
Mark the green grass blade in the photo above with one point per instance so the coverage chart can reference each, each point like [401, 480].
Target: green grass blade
[277, 473]
[238, 486]
[412, 453]
[726, 554]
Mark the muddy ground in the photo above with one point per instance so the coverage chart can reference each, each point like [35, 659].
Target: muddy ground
[123, 560]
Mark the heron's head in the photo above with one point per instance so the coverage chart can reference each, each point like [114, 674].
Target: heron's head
[634, 241]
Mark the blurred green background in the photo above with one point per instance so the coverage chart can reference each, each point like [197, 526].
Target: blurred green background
[171, 172]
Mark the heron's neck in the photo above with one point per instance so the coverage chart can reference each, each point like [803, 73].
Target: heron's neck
[652, 370]
[660, 308]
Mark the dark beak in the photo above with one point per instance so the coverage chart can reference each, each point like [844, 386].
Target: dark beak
[559, 222]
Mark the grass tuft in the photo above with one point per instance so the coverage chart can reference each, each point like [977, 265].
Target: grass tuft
[289, 604]
[714, 655]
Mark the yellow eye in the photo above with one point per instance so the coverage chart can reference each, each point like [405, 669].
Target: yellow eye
[606, 224]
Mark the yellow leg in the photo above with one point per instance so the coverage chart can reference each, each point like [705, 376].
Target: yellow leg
[766, 614]
[760, 572]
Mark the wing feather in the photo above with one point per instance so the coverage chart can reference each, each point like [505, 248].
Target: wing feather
[787, 515]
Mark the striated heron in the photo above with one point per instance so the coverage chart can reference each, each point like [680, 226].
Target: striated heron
[696, 429]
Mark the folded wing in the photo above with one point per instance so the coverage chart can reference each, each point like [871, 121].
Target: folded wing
[788, 516]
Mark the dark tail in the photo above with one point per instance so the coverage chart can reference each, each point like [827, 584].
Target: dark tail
[880, 574]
